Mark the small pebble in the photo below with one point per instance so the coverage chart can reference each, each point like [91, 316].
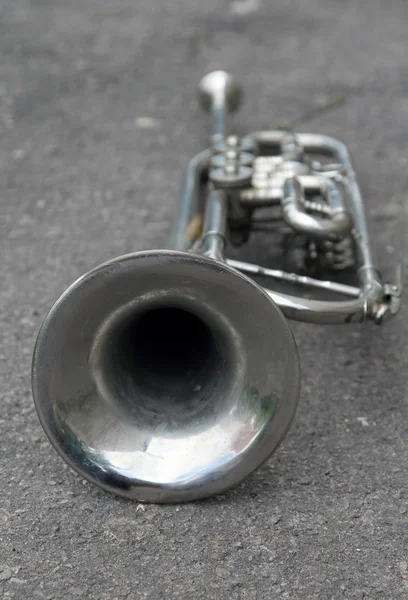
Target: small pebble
[243, 7]
[146, 122]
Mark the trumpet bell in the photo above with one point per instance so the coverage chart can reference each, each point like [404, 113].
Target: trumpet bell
[165, 376]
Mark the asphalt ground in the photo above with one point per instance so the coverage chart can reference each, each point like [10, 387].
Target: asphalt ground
[83, 178]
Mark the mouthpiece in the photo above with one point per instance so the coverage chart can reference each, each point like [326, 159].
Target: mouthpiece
[217, 89]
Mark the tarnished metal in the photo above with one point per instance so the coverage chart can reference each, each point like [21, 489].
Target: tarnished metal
[288, 173]
[170, 375]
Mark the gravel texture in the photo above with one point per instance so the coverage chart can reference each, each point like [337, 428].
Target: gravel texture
[97, 120]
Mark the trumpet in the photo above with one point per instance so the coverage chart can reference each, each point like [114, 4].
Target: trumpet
[171, 375]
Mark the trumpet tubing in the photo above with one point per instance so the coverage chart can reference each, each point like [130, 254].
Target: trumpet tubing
[170, 375]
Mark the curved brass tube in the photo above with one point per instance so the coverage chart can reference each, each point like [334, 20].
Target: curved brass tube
[334, 225]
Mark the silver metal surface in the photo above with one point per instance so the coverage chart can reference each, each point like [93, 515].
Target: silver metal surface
[212, 240]
[334, 225]
[286, 164]
[169, 375]
[303, 280]
[219, 94]
[151, 381]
